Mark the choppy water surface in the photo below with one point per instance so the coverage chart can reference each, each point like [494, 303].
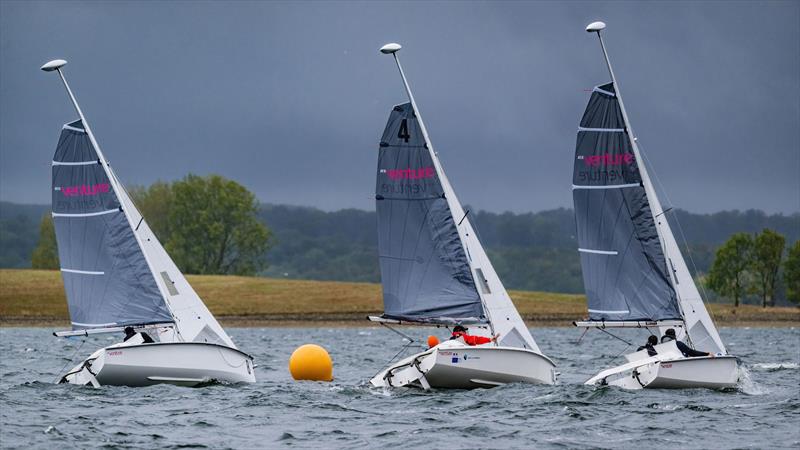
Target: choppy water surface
[276, 411]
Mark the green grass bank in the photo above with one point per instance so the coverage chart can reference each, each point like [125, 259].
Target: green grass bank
[36, 298]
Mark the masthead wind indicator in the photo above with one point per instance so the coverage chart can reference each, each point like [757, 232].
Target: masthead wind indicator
[595, 27]
[390, 48]
[54, 65]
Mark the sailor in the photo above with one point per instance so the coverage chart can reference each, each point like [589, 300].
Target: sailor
[652, 341]
[460, 333]
[130, 333]
[687, 351]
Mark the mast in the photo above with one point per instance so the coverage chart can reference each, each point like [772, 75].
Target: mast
[655, 204]
[456, 210]
[56, 65]
[662, 225]
[502, 316]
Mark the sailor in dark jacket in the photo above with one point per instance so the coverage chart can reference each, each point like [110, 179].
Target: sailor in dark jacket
[687, 351]
[130, 332]
[652, 341]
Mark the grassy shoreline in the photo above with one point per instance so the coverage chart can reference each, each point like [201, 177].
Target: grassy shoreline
[36, 298]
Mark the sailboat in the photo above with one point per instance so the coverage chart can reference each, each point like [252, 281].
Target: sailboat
[118, 277]
[434, 270]
[633, 271]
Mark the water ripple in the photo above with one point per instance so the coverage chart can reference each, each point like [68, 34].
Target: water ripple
[348, 413]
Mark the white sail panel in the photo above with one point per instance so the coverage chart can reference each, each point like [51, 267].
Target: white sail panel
[699, 326]
[500, 310]
[193, 321]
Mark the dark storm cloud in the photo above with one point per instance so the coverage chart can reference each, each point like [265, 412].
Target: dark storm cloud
[290, 98]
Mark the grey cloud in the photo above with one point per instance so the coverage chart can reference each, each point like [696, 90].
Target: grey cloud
[290, 98]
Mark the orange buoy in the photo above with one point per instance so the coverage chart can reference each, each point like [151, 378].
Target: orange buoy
[433, 341]
[311, 362]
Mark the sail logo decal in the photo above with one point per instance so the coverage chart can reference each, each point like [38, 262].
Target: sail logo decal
[605, 168]
[410, 174]
[607, 159]
[408, 182]
[84, 190]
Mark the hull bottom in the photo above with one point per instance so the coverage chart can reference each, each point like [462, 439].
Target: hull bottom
[180, 363]
[453, 365]
[720, 372]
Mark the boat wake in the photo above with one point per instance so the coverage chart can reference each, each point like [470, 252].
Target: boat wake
[774, 367]
[747, 385]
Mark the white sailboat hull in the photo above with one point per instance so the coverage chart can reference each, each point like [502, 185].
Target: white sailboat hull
[178, 363]
[454, 365]
[673, 373]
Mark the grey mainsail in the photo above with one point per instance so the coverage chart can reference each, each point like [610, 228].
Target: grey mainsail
[424, 269]
[106, 277]
[624, 269]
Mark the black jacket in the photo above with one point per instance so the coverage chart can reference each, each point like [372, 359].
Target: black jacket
[688, 351]
[685, 349]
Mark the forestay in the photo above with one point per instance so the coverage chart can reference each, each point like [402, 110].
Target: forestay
[624, 268]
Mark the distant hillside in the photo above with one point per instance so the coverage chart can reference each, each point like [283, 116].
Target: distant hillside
[19, 232]
[532, 251]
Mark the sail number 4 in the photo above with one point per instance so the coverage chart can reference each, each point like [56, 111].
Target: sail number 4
[402, 133]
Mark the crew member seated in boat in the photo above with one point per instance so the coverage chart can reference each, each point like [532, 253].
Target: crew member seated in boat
[652, 341]
[129, 333]
[687, 351]
[460, 333]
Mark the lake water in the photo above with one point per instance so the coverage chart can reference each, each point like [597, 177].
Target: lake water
[278, 412]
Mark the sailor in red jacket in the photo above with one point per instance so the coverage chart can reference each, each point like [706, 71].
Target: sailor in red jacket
[460, 332]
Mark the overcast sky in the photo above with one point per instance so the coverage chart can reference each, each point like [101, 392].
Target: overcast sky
[290, 99]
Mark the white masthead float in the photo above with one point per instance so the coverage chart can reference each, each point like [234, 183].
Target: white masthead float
[435, 271]
[118, 276]
[634, 273]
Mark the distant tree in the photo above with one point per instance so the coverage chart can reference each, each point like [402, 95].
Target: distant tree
[45, 255]
[729, 272]
[766, 261]
[154, 203]
[213, 228]
[791, 273]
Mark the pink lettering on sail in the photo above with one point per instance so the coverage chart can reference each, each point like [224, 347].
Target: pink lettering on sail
[608, 159]
[85, 190]
[411, 174]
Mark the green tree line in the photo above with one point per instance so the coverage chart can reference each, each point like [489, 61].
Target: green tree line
[532, 251]
[755, 264]
[208, 225]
